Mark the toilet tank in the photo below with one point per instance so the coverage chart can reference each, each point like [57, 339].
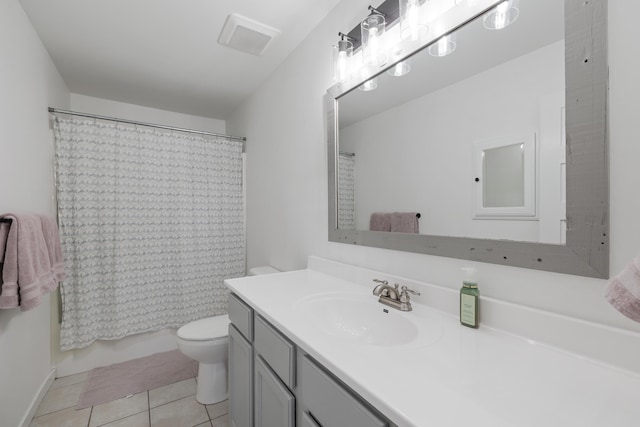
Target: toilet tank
[265, 269]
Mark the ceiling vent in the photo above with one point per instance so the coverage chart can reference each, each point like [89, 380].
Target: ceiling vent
[246, 35]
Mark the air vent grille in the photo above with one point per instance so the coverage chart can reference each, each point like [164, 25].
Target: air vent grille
[246, 35]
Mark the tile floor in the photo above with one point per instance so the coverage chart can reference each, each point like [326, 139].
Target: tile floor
[173, 405]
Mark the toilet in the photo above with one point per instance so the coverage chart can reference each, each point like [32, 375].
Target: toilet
[207, 341]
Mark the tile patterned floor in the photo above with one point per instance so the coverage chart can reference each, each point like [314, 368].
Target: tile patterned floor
[173, 405]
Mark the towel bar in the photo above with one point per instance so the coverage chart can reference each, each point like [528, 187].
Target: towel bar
[5, 219]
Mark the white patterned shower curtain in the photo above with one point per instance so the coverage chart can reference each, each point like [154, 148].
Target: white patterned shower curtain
[151, 221]
[346, 191]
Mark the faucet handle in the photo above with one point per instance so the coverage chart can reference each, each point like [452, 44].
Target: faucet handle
[404, 294]
[405, 289]
[382, 282]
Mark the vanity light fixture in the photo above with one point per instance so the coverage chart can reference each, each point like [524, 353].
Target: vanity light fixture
[444, 46]
[411, 26]
[341, 54]
[502, 15]
[401, 68]
[372, 28]
[369, 85]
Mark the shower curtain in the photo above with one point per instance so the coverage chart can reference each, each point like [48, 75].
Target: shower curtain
[151, 222]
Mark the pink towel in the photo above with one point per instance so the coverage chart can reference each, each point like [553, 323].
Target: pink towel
[54, 248]
[404, 222]
[380, 221]
[623, 291]
[27, 271]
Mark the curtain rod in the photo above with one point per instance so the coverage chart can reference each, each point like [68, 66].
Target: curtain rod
[132, 122]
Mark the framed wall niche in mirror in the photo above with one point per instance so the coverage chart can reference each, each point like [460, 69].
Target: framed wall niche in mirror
[408, 145]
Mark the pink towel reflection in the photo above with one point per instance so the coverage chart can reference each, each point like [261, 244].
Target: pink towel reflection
[380, 221]
[404, 222]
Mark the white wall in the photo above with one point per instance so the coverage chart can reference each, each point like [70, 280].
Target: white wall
[121, 110]
[29, 83]
[436, 146]
[287, 178]
[103, 353]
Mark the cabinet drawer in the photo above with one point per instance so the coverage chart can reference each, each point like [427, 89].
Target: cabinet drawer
[329, 402]
[276, 350]
[241, 315]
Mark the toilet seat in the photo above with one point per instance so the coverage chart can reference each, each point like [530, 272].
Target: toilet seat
[207, 329]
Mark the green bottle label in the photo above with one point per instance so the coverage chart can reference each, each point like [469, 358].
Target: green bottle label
[468, 309]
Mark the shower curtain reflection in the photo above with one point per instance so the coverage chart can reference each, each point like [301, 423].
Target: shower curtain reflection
[346, 191]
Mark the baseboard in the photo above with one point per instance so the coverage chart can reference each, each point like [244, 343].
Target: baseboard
[37, 399]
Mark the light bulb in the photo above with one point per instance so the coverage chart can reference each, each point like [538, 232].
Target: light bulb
[502, 15]
[371, 84]
[410, 26]
[372, 28]
[374, 44]
[444, 46]
[341, 54]
[400, 69]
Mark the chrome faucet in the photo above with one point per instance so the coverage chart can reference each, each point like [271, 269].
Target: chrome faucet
[384, 290]
[392, 296]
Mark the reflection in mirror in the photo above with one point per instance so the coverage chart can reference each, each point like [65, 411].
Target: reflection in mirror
[346, 190]
[506, 182]
[503, 173]
[413, 137]
[411, 140]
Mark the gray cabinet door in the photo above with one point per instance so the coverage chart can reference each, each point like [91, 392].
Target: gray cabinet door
[276, 350]
[274, 403]
[240, 380]
[309, 421]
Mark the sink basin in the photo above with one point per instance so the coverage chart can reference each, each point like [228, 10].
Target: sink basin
[359, 318]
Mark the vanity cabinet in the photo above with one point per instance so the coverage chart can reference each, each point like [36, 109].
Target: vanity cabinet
[273, 383]
[274, 403]
[308, 420]
[323, 401]
[240, 380]
[261, 371]
[240, 363]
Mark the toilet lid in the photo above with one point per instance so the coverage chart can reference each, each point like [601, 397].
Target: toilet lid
[210, 328]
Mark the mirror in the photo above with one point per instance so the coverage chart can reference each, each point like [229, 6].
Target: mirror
[436, 142]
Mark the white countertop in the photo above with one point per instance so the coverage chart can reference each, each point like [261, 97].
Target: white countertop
[455, 376]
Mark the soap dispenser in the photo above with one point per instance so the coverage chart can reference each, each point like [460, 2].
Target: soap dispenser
[469, 299]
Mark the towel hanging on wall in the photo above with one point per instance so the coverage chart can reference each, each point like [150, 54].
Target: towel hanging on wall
[31, 256]
[623, 291]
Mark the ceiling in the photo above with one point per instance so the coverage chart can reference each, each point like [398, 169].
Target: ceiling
[164, 53]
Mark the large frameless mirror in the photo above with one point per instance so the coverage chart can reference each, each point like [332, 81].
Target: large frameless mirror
[499, 146]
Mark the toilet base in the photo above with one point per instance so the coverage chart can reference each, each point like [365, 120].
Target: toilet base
[212, 383]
